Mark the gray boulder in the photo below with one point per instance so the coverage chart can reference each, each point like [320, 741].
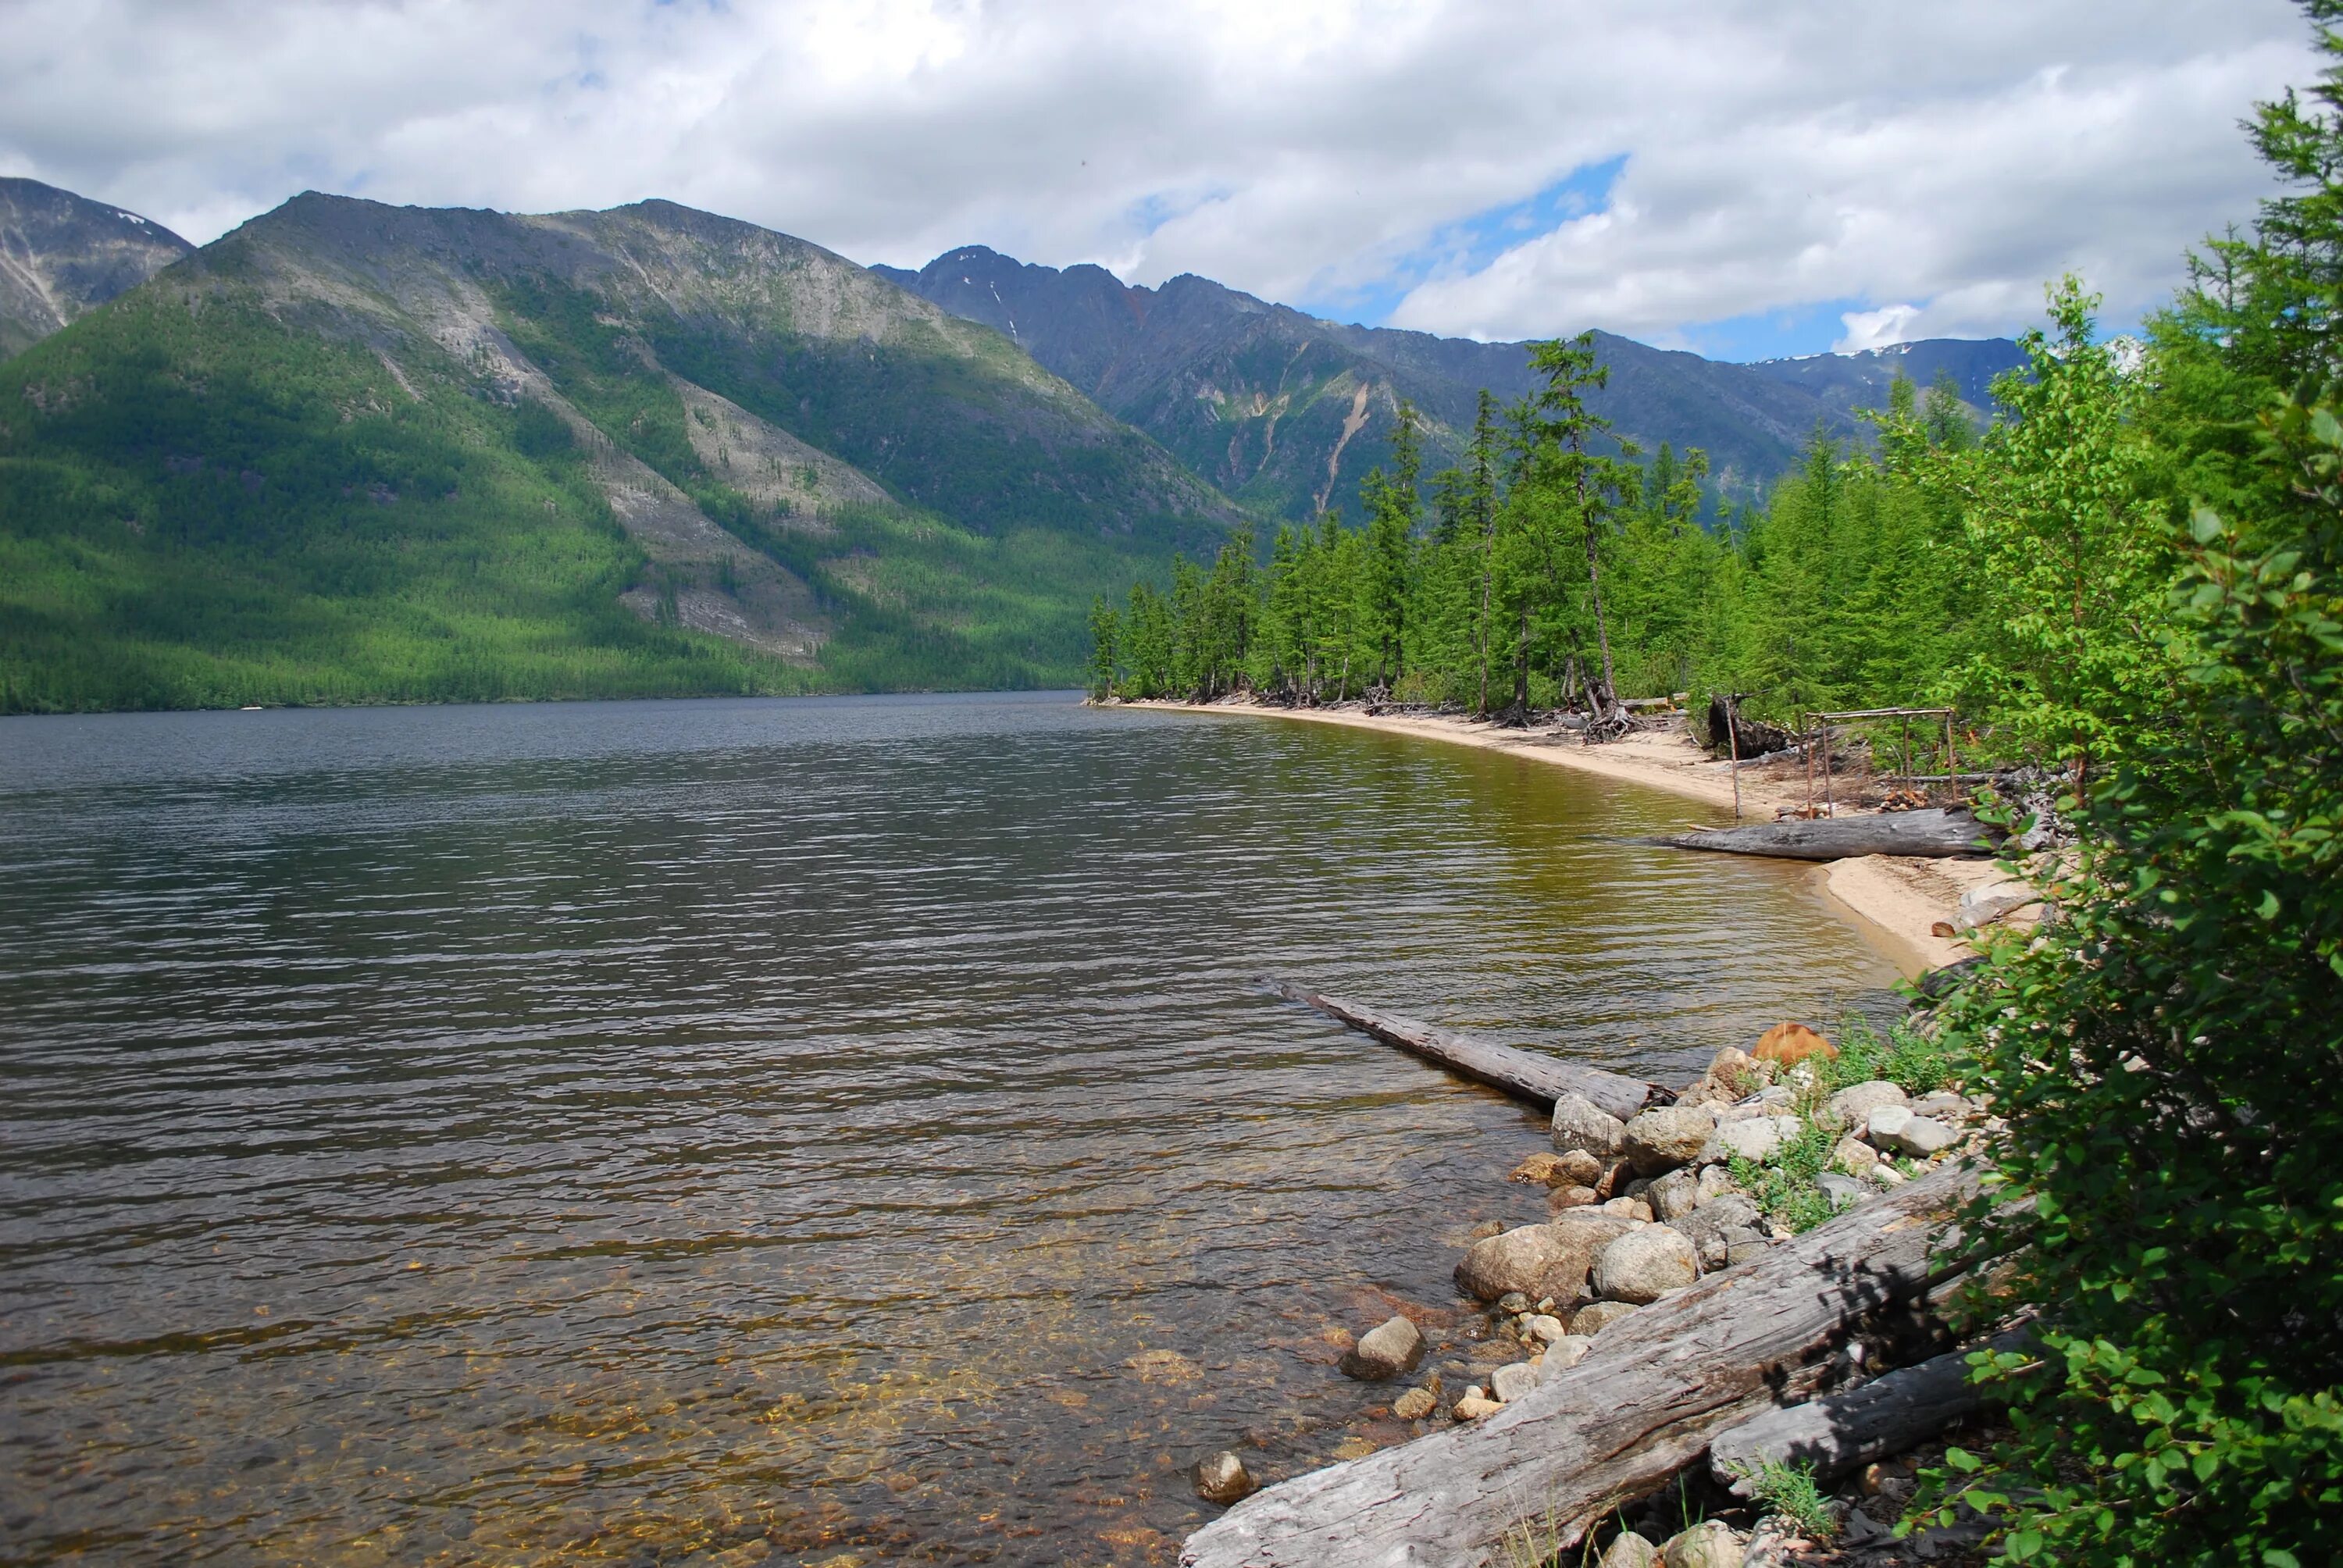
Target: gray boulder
[1853, 1106]
[1944, 1105]
[1843, 1191]
[1717, 1224]
[1512, 1380]
[1580, 1123]
[1880, 1128]
[1660, 1141]
[1920, 1137]
[1675, 1195]
[1752, 1138]
[1510, 1260]
[1646, 1264]
[1596, 1316]
[1385, 1352]
[1630, 1551]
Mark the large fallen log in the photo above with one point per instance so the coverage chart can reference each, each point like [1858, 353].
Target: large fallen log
[1656, 1387]
[1542, 1080]
[1841, 1433]
[1932, 833]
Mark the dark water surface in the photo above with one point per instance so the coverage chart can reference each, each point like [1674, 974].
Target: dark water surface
[832, 1131]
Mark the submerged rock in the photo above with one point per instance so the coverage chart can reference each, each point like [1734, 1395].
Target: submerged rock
[1515, 1259]
[1415, 1404]
[1223, 1479]
[1385, 1351]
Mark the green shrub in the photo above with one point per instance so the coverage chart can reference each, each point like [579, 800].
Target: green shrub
[2169, 1065]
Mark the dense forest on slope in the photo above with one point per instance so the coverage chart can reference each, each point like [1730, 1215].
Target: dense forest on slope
[2132, 581]
[1289, 413]
[356, 453]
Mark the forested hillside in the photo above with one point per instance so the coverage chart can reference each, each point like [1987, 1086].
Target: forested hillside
[1289, 413]
[2132, 583]
[360, 453]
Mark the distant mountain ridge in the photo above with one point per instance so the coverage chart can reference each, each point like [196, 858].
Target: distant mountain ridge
[62, 255]
[1288, 413]
[358, 452]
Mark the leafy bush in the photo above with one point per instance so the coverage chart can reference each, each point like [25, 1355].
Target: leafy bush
[2169, 1065]
[1915, 1063]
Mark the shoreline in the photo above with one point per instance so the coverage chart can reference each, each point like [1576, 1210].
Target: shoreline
[1896, 900]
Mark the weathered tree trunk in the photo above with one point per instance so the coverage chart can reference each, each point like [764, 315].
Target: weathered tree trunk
[1542, 1080]
[1643, 1405]
[1735, 732]
[1840, 1433]
[1930, 834]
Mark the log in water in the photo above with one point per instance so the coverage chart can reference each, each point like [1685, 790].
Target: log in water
[1541, 1079]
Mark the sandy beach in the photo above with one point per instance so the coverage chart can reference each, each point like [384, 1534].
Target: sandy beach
[1897, 900]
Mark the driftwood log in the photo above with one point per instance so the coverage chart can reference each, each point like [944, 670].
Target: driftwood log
[1542, 1080]
[1931, 833]
[1643, 1405]
[1841, 1433]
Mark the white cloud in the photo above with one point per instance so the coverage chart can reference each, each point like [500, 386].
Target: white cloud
[1836, 154]
[1878, 328]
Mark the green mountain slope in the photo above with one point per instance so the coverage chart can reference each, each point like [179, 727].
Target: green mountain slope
[358, 453]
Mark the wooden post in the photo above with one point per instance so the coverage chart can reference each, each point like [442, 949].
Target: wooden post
[1807, 724]
[1732, 741]
[1830, 805]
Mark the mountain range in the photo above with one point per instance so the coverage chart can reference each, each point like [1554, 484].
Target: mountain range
[1288, 413]
[352, 452]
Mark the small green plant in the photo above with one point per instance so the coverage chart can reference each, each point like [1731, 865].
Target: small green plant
[1783, 1184]
[1791, 1492]
[1903, 1056]
[1534, 1542]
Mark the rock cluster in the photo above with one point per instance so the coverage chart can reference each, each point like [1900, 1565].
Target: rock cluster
[1641, 1209]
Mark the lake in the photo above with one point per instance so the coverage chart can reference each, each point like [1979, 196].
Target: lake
[818, 1132]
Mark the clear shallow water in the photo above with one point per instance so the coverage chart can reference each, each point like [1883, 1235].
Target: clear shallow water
[829, 1131]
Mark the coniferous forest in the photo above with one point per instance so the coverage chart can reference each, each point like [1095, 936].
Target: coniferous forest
[2129, 578]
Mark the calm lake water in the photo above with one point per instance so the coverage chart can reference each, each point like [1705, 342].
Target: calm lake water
[832, 1131]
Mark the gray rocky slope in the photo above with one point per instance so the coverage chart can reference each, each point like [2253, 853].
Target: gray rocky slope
[62, 255]
[1287, 412]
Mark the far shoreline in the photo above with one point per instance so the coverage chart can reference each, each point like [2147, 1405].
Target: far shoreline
[1895, 902]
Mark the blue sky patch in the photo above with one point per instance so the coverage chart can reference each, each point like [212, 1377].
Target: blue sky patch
[1470, 244]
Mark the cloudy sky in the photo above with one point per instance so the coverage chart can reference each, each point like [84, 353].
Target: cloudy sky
[1744, 177]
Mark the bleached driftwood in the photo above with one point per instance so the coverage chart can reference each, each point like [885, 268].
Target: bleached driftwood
[1542, 1080]
[1643, 1405]
[1930, 834]
[1840, 1433]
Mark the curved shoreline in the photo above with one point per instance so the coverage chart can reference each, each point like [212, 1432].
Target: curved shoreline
[1896, 901]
